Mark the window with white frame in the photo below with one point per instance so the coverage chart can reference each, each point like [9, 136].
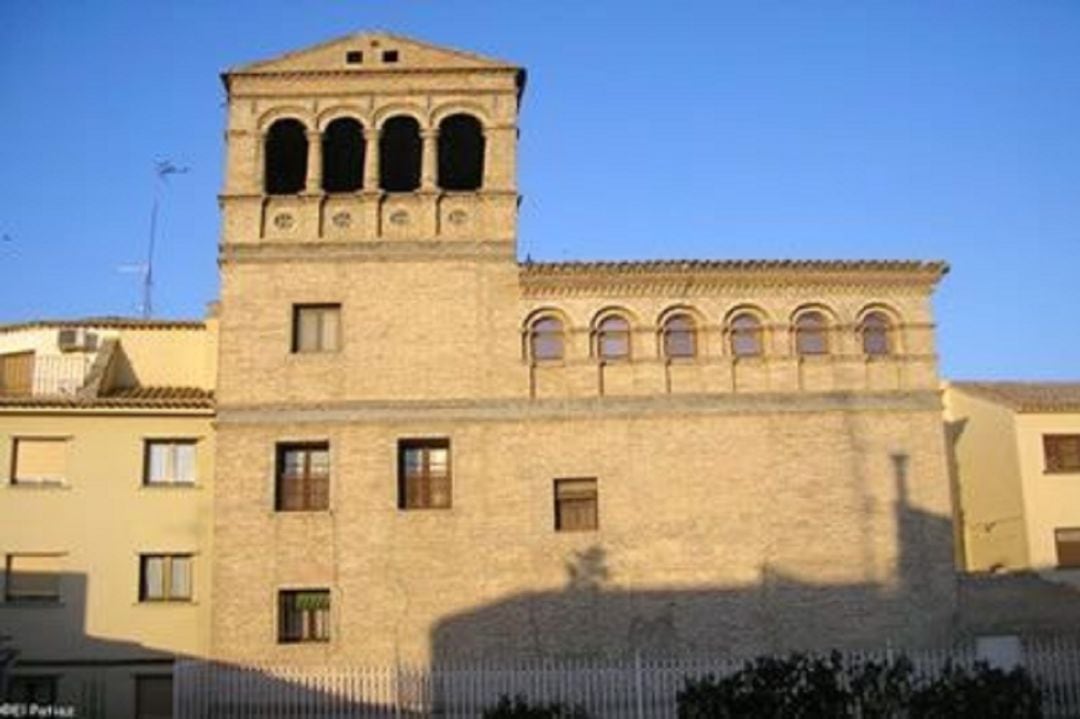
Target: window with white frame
[169, 462]
[165, 577]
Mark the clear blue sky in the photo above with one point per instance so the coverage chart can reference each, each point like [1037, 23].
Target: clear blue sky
[821, 129]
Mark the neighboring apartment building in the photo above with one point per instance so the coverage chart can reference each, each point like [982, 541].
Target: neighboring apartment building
[107, 447]
[427, 449]
[1016, 468]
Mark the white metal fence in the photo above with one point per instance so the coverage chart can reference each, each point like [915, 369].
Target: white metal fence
[635, 688]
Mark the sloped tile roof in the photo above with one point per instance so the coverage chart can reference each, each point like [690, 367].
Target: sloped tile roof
[134, 398]
[1031, 397]
[105, 322]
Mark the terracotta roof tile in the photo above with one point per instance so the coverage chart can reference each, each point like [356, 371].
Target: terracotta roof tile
[107, 322]
[1031, 397]
[542, 268]
[135, 397]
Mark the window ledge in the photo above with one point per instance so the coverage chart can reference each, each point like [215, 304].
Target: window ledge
[30, 604]
[38, 486]
[166, 603]
[167, 486]
[1060, 472]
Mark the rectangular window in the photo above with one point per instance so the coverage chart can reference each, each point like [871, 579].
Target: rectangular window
[40, 690]
[169, 461]
[32, 578]
[1062, 452]
[16, 374]
[303, 477]
[424, 474]
[1068, 547]
[37, 460]
[316, 328]
[304, 615]
[576, 505]
[153, 697]
[165, 577]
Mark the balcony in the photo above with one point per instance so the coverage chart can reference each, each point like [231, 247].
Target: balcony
[24, 374]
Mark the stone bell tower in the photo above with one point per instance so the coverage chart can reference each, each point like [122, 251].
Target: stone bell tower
[371, 138]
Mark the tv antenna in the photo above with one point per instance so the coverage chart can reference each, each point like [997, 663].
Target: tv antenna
[162, 170]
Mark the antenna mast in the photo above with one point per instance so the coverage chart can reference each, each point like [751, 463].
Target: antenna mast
[162, 170]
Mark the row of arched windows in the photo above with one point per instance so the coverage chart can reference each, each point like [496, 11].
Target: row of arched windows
[460, 153]
[678, 334]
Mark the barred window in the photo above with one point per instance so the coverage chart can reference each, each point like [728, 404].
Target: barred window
[303, 615]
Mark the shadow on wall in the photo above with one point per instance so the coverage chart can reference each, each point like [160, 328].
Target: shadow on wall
[780, 613]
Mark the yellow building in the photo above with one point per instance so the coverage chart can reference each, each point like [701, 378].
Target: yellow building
[1016, 468]
[107, 447]
[427, 449]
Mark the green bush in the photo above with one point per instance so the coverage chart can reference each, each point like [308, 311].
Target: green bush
[802, 686]
[519, 708]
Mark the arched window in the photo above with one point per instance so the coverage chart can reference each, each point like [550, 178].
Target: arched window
[875, 329]
[343, 150]
[680, 336]
[286, 157]
[811, 334]
[399, 154]
[461, 153]
[746, 335]
[546, 339]
[613, 338]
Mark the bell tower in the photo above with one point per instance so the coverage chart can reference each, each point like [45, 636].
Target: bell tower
[371, 138]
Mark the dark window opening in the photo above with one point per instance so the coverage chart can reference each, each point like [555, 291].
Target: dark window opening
[680, 337]
[746, 336]
[1067, 544]
[424, 474]
[613, 338]
[1061, 452]
[343, 150]
[286, 158]
[303, 477]
[461, 153]
[390, 56]
[811, 334]
[399, 155]
[354, 57]
[304, 616]
[875, 334]
[576, 505]
[546, 339]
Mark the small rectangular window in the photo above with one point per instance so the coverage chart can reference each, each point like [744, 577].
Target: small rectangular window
[165, 577]
[16, 374]
[576, 505]
[424, 474]
[1062, 452]
[169, 461]
[32, 578]
[354, 57]
[303, 477]
[40, 690]
[153, 697]
[390, 56]
[37, 460]
[316, 328]
[1067, 542]
[303, 615]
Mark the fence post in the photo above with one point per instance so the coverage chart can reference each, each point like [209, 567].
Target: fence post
[639, 693]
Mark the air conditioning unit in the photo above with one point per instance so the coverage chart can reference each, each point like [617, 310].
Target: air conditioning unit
[74, 339]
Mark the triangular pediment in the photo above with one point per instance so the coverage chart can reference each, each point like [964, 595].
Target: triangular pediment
[372, 51]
